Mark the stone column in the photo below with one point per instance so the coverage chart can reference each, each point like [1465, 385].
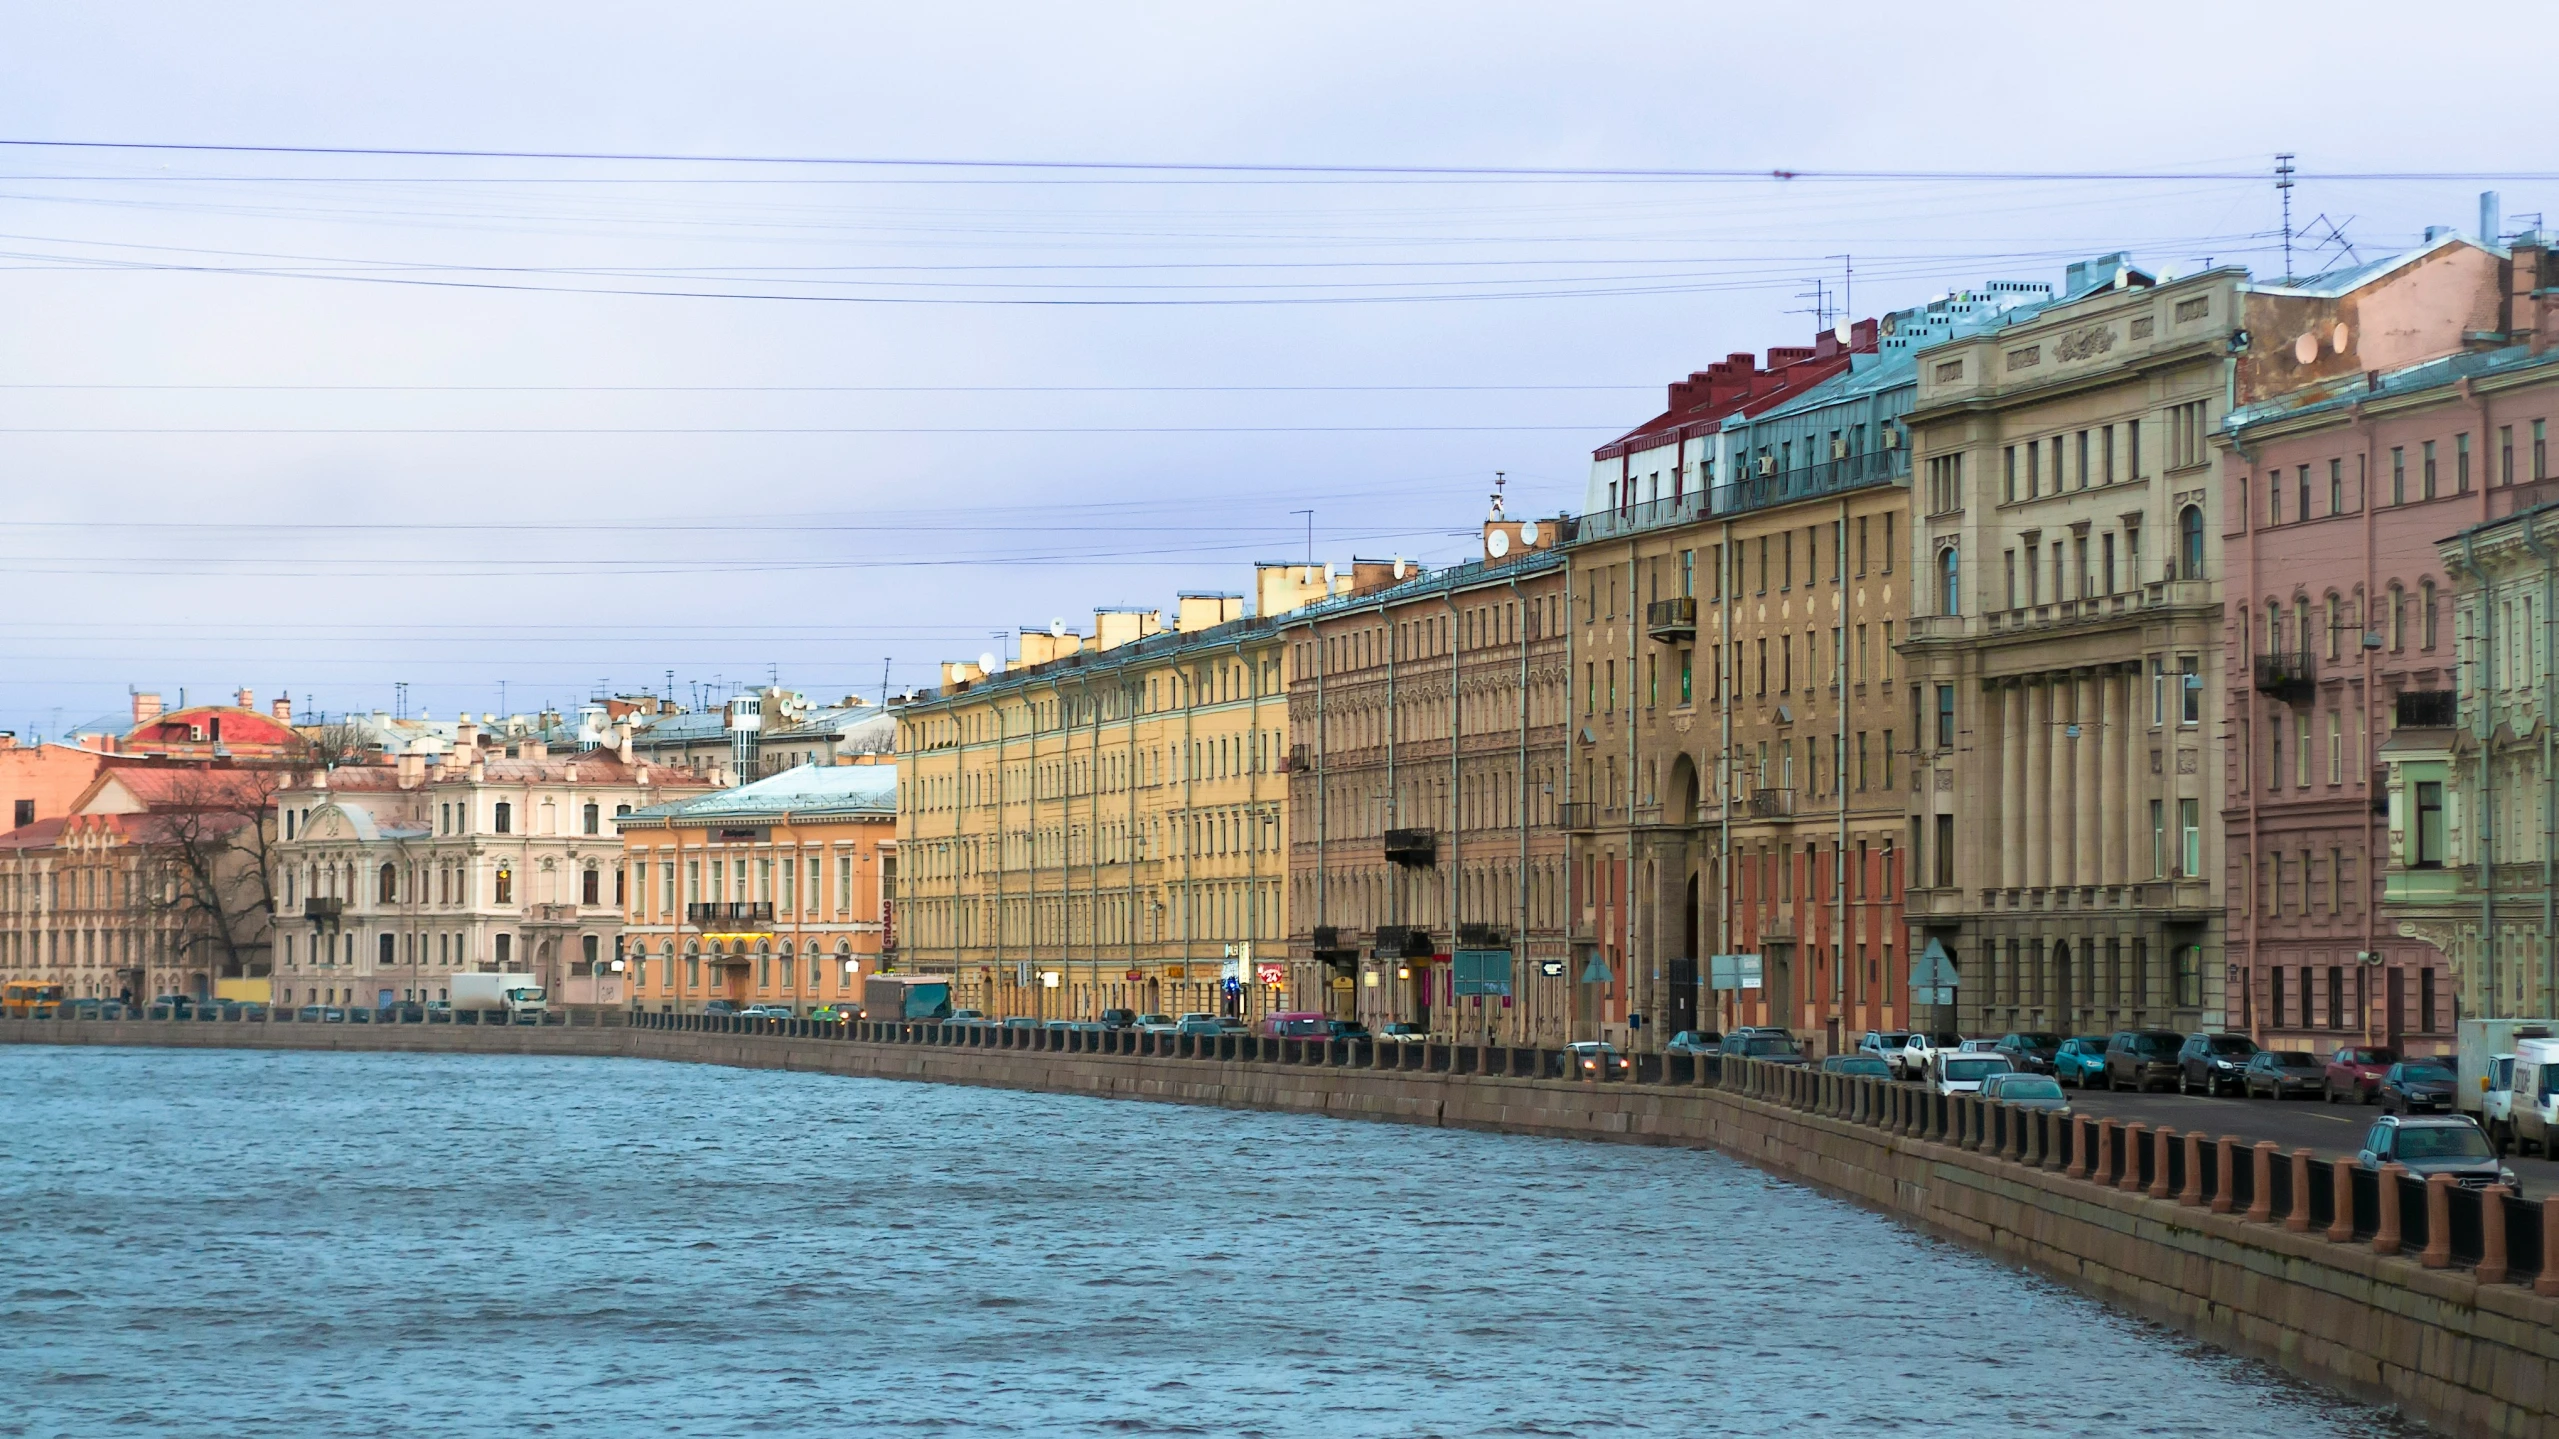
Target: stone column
[2136, 817]
[2012, 785]
[2057, 788]
[2091, 688]
[2112, 717]
[2037, 800]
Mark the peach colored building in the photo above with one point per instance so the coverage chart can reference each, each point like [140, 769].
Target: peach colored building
[40, 781]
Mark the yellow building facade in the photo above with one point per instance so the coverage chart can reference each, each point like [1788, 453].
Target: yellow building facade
[1104, 824]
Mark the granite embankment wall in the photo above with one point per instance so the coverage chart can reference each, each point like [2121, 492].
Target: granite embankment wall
[2368, 1289]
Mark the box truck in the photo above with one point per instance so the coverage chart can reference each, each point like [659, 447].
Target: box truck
[2477, 1045]
[500, 998]
[903, 996]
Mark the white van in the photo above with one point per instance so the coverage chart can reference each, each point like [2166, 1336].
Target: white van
[2536, 1094]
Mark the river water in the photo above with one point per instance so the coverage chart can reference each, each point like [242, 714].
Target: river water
[276, 1243]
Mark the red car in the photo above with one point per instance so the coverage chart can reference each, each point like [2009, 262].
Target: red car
[2355, 1071]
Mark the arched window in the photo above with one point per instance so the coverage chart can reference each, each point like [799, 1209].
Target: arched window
[2398, 618]
[592, 822]
[2190, 543]
[389, 892]
[506, 885]
[504, 818]
[1951, 593]
[2426, 612]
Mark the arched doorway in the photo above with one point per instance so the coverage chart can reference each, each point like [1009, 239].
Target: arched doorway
[1686, 1000]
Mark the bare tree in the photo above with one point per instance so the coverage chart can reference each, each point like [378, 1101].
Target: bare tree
[205, 871]
[340, 741]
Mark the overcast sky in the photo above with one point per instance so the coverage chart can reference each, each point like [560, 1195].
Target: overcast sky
[530, 422]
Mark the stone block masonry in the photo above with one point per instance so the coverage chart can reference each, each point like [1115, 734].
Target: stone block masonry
[2449, 1344]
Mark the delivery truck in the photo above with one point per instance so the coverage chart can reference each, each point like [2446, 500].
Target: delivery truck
[500, 998]
[2477, 1046]
[890, 997]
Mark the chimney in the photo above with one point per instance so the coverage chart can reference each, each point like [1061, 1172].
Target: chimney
[466, 736]
[282, 709]
[622, 739]
[146, 708]
[412, 769]
[533, 749]
[248, 699]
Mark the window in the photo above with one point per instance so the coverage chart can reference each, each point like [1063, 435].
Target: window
[2190, 832]
[592, 821]
[387, 885]
[506, 890]
[2109, 551]
[591, 886]
[2188, 441]
[2427, 478]
[1888, 759]
[23, 813]
[2034, 468]
[2398, 617]
[2158, 839]
[2190, 543]
[2540, 452]
[1952, 586]
[2461, 463]
[2336, 748]
[502, 819]
[2332, 627]
[2301, 760]
[1945, 485]
[2190, 681]
[1888, 541]
[2008, 471]
[2190, 975]
[2427, 836]
[2275, 498]
[1945, 717]
[2398, 475]
[2426, 612]
[1945, 851]
[2158, 694]
[1686, 660]
[2505, 454]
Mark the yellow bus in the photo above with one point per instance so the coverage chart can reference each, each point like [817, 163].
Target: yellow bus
[19, 997]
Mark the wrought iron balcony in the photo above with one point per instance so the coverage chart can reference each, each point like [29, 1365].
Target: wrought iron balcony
[738, 913]
[2290, 678]
[1581, 814]
[1772, 803]
[323, 911]
[2428, 709]
[1672, 620]
[1412, 847]
[1482, 936]
[1327, 936]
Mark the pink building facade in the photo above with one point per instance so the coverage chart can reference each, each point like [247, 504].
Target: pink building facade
[2367, 430]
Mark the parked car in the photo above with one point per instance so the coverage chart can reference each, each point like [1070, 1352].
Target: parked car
[2211, 1062]
[1978, 1046]
[1018, 1021]
[845, 1013]
[766, 1011]
[1156, 1024]
[1696, 1042]
[1197, 1023]
[1961, 1073]
[1884, 1044]
[1229, 1024]
[2081, 1060]
[1865, 1066]
[1119, 1019]
[2029, 1052]
[1348, 1029]
[402, 1011]
[1401, 1032]
[2437, 1144]
[332, 1014]
[1765, 1047]
[1294, 1024]
[439, 1011]
[1919, 1054]
[2416, 1086]
[2354, 1072]
[718, 1006]
[958, 1016]
[1589, 1058]
[2026, 1091]
[2281, 1074]
[2136, 1059]
[356, 1014]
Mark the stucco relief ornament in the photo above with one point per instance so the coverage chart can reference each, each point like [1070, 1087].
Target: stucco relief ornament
[2441, 936]
[2084, 344]
[1682, 723]
[2185, 761]
[1945, 781]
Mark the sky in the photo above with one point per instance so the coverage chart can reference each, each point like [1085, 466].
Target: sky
[679, 385]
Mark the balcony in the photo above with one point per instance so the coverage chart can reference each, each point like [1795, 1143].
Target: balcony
[323, 911]
[1412, 847]
[1398, 941]
[1778, 925]
[1672, 621]
[2428, 709]
[1772, 803]
[1581, 814]
[1482, 936]
[2292, 679]
[730, 914]
[1327, 936]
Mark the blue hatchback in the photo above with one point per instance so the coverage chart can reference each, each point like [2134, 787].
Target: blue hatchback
[2081, 1061]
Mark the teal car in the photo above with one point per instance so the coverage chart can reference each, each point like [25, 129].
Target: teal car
[2081, 1061]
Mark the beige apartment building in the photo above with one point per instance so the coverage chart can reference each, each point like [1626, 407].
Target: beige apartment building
[2069, 750]
[1426, 755]
[1104, 823]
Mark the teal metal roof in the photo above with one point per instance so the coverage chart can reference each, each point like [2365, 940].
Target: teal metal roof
[809, 790]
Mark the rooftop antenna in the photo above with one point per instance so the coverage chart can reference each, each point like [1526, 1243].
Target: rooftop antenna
[400, 699]
[2335, 237]
[1847, 284]
[670, 689]
[1310, 533]
[2283, 187]
[884, 682]
[1819, 294]
[1498, 481]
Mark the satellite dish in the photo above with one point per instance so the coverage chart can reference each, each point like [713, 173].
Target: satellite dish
[1498, 543]
[1399, 567]
[1057, 629]
[1528, 532]
[988, 663]
[1840, 332]
[2337, 338]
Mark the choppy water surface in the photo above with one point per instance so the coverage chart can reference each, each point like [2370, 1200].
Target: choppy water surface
[339, 1244]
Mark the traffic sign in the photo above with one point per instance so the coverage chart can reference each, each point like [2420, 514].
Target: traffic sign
[1597, 972]
[1733, 971]
[1932, 975]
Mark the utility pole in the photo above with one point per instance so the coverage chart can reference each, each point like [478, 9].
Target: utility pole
[1310, 533]
[2283, 188]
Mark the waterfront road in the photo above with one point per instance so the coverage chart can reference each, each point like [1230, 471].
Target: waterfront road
[2327, 1130]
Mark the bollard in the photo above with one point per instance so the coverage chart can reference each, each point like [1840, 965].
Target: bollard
[2261, 1204]
[2438, 1251]
[2385, 1235]
[2162, 1141]
[2102, 1170]
[2224, 1191]
[2136, 1138]
[2341, 1202]
[2193, 1192]
[2491, 1268]
[2019, 1121]
[2547, 1283]
[2297, 1219]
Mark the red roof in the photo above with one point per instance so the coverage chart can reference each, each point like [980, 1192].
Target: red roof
[1736, 384]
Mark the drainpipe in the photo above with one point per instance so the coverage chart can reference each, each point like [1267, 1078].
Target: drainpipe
[2485, 827]
[1731, 687]
[1394, 797]
[1323, 799]
[1519, 929]
[2247, 766]
[1572, 752]
[1627, 915]
[1252, 801]
[2549, 794]
[2376, 845]
[1839, 785]
[1456, 778]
